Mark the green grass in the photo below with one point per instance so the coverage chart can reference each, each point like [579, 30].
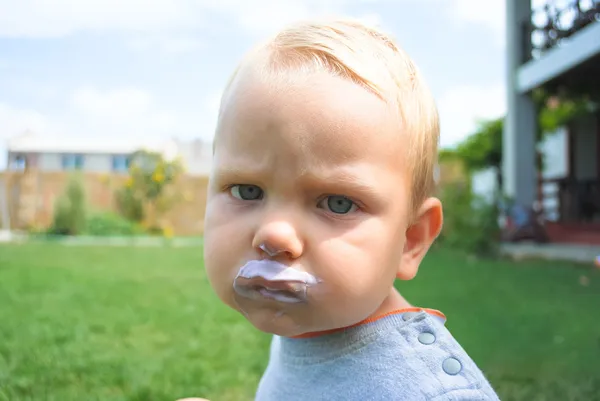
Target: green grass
[100, 323]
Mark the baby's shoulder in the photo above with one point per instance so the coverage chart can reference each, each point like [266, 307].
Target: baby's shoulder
[424, 354]
[399, 357]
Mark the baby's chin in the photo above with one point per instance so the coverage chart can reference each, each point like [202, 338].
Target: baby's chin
[290, 322]
[273, 318]
[276, 322]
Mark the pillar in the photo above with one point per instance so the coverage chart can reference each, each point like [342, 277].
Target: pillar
[520, 125]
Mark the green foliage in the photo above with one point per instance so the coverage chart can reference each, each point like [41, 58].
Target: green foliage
[128, 205]
[61, 220]
[484, 147]
[557, 112]
[111, 224]
[150, 174]
[146, 196]
[470, 222]
[70, 210]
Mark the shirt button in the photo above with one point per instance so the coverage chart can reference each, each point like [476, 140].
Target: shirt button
[452, 366]
[426, 338]
[409, 315]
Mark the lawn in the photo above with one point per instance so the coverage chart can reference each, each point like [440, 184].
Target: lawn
[100, 323]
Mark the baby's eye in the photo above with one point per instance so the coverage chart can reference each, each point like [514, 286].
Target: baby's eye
[246, 192]
[338, 204]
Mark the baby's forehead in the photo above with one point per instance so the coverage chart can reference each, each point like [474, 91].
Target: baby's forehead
[319, 115]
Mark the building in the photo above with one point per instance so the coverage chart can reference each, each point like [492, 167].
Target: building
[43, 153]
[554, 47]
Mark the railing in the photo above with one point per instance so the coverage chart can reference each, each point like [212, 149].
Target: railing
[571, 201]
[555, 22]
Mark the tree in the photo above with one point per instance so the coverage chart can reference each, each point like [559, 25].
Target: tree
[483, 148]
[70, 209]
[146, 196]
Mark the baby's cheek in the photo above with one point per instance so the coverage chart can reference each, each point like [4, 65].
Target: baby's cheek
[352, 278]
[220, 258]
[355, 263]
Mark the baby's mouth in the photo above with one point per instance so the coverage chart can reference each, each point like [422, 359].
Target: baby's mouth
[278, 290]
[268, 279]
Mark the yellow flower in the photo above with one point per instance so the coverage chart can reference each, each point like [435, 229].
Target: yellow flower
[158, 177]
[129, 182]
[168, 232]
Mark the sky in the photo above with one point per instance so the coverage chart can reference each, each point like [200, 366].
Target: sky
[144, 70]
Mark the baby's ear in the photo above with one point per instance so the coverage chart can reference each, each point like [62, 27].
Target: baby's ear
[419, 237]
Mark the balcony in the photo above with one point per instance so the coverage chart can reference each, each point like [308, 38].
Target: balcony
[561, 50]
[556, 21]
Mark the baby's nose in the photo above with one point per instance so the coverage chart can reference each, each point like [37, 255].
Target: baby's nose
[276, 238]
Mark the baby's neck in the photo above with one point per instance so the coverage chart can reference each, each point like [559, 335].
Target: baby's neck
[393, 302]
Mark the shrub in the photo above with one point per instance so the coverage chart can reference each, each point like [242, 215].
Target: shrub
[111, 224]
[70, 210]
[148, 193]
[470, 222]
[129, 206]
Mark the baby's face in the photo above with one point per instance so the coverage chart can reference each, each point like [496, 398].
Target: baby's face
[315, 169]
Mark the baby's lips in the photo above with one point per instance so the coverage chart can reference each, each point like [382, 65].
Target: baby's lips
[279, 285]
[271, 270]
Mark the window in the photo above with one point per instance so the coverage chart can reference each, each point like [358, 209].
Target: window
[19, 163]
[120, 163]
[72, 162]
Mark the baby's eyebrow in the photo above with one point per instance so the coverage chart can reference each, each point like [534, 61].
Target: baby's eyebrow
[336, 181]
[342, 181]
[236, 174]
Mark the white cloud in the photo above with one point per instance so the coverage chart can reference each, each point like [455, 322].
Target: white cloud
[264, 17]
[461, 108]
[119, 116]
[15, 121]
[34, 18]
[117, 103]
[372, 19]
[169, 18]
[166, 44]
[135, 113]
[489, 13]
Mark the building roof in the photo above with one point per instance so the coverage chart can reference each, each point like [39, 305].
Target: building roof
[31, 142]
[196, 153]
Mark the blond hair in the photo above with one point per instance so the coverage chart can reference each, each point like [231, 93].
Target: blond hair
[368, 57]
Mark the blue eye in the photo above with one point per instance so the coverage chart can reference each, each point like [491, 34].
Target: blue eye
[340, 204]
[246, 192]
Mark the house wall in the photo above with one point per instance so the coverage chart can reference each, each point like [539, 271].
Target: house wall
[554, 150]
[97, 163]
[32, 195]
[586, 148]
[49, 162]
[52, 162]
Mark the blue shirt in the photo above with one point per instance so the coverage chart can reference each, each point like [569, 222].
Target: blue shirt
[404, 356]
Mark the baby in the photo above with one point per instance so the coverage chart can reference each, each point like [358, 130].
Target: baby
[319, 198]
